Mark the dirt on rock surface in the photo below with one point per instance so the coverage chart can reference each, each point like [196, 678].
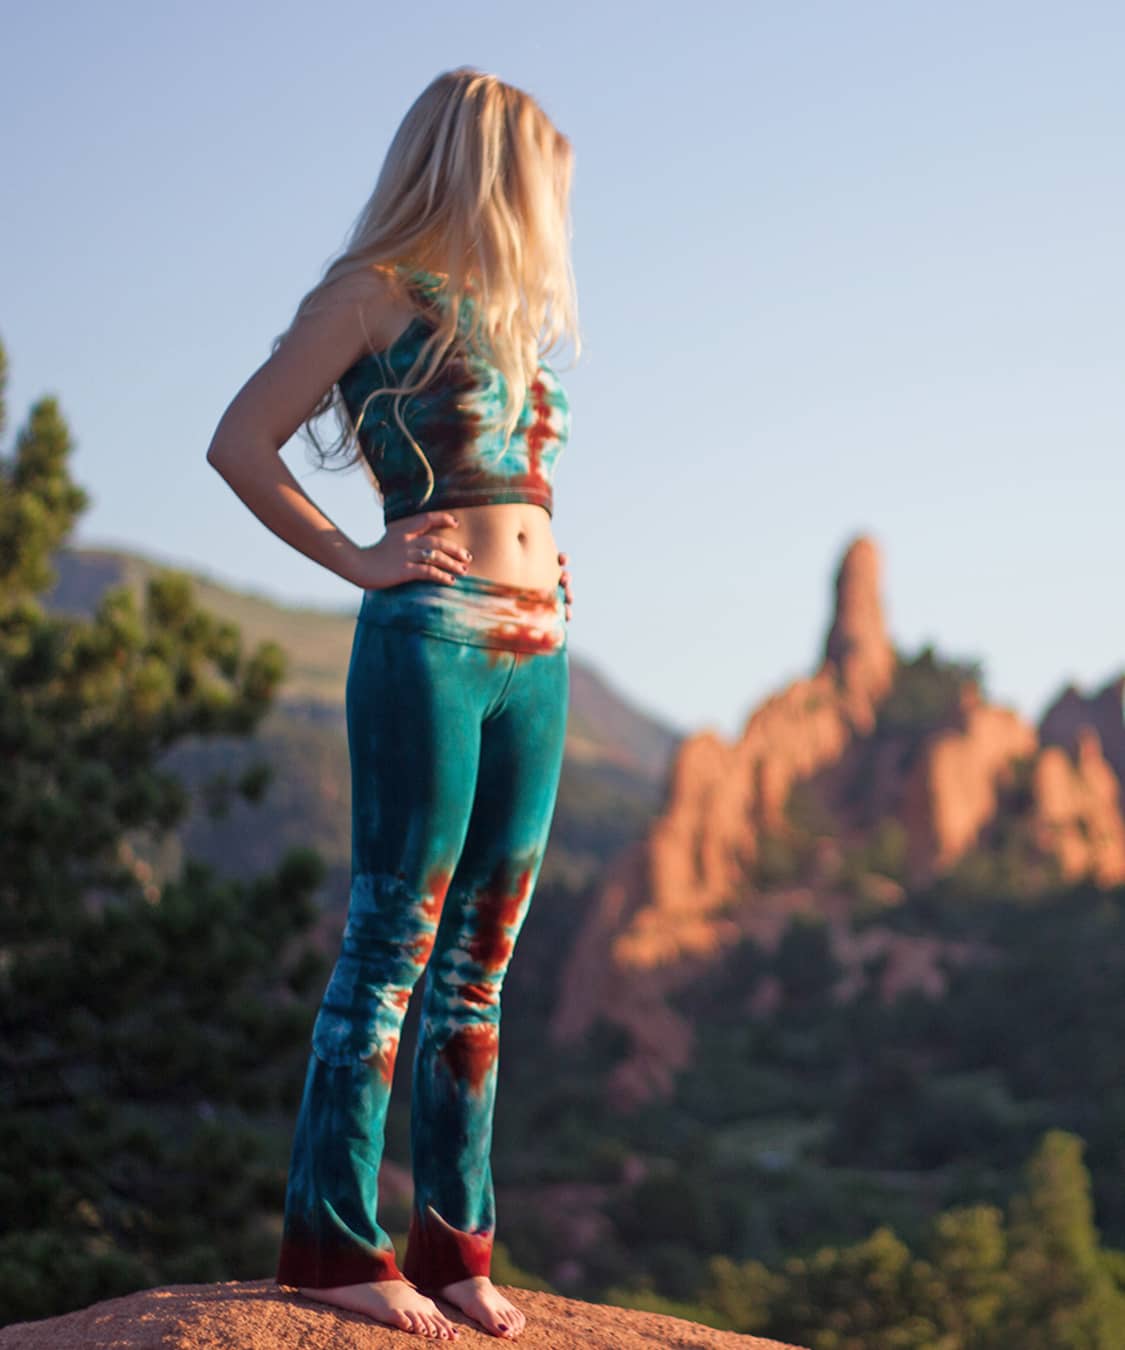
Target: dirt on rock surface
[262, 1315]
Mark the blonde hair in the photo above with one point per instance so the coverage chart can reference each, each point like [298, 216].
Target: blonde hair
[475, 186]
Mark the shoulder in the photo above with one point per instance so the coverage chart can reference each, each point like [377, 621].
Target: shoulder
[378, 299]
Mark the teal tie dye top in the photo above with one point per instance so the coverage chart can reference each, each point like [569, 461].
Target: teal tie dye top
[454, 421]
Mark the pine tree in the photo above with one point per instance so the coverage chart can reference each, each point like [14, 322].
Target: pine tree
[1065, 1297]
[148, 1027]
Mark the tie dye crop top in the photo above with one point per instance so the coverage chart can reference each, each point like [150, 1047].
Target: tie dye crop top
[454, 421]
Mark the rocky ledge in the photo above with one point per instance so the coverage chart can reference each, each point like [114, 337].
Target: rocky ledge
[261, 1315]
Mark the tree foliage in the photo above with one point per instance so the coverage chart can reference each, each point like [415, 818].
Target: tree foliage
[984, 1281]
[149, 1024]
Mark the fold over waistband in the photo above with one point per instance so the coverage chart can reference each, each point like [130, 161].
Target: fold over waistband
[478, 610]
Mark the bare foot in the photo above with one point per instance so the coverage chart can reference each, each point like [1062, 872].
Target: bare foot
[480, 1298]
[395, 1302]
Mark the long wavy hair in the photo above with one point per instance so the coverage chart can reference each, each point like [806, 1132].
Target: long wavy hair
[475, 188]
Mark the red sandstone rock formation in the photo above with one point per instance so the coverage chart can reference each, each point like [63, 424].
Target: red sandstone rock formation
[1078, 811]
[1081, 799]
[676, 899]
[1076, 807]
[261, 1315]
[953, 791]
[661, 899]
[1104, 711]
[857, 645]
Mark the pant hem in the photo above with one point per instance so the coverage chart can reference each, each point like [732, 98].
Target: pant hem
[438, 1254]
[306, 1266]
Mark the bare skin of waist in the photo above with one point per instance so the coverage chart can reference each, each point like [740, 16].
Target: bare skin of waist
[512, 542]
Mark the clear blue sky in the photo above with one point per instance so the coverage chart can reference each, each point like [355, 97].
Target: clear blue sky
[842, 268]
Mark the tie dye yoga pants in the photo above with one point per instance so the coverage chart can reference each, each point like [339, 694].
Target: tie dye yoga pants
[457, 698]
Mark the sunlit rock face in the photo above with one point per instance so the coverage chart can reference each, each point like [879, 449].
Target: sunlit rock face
[262, 1315]
[677, 898]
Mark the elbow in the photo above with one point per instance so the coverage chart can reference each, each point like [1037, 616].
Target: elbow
[223, 452]
[227, 440]
[217, 453]
[233, 460]
[237, 441]
[222, 467]
[232, 445]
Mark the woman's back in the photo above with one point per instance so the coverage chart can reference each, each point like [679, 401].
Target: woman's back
[455, 420]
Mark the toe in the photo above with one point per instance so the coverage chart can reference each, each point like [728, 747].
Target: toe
[513, 1319]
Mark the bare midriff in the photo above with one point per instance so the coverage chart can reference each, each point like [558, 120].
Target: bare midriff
[511, 542]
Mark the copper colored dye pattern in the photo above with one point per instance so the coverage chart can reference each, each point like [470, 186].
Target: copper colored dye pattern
[482, 994]
[382, 1059]
[471, 1053]
[529, 637]
[537, 601]
[434, 891]
[498, 909]
[541, 432]
[479, 611]
[420, 948]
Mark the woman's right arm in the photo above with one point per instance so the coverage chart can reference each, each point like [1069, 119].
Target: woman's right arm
[273, 403]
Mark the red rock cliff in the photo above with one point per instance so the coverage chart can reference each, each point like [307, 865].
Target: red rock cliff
[675, 899]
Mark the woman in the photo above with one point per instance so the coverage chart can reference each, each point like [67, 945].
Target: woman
[428, 328]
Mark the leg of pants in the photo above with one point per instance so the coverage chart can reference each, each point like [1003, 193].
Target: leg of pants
[456, 1058]
[456, 751]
